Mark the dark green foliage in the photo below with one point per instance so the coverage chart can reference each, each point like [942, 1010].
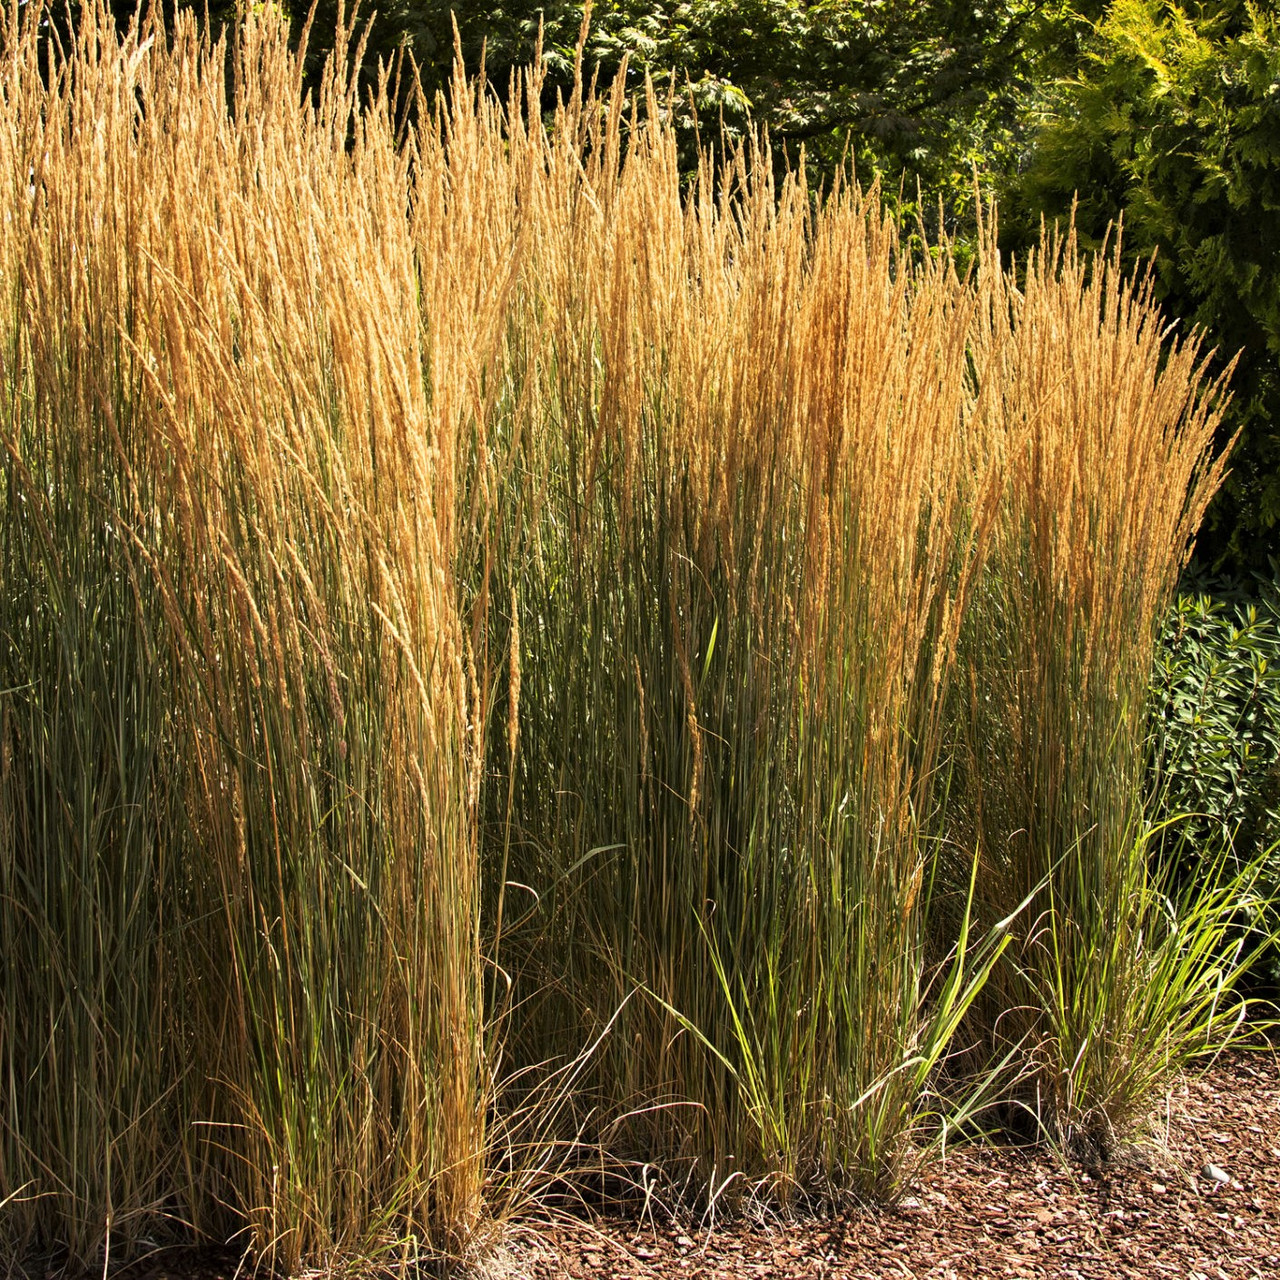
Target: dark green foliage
[920, 92]
[1173, 122]
[1215, 741]
[1217, 698]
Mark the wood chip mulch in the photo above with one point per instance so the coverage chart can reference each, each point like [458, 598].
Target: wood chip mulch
[1160, 1210]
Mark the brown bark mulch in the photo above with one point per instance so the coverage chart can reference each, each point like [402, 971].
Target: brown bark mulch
[1159, 1210]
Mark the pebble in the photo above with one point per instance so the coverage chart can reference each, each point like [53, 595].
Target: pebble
[1212, 1172]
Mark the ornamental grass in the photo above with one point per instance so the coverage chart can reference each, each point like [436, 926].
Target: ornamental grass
[517, 660]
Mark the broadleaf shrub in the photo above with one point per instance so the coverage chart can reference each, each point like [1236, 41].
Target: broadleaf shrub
[1215, 725]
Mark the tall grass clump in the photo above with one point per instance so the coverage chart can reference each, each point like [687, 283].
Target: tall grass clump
[1104, 428]
[89, 880]
[740, 518]
[241, 991]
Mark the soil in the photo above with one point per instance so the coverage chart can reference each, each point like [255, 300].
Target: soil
[1160, 1209]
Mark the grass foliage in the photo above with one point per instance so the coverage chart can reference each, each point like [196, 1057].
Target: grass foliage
[508, 652]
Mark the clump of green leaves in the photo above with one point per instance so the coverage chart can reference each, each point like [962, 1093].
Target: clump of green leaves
[1215, 726]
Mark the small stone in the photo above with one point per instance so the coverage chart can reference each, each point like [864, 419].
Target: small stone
[1212, 1172]
[1159, 1188]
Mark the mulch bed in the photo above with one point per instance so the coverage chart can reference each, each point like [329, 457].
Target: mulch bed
[997, 1211]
